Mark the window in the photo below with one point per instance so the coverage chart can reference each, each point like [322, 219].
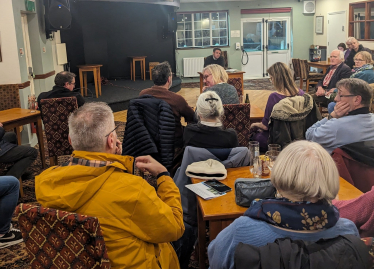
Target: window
[206, 29]
[361, 20]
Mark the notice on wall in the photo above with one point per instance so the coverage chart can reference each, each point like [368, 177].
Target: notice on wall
[235, 33]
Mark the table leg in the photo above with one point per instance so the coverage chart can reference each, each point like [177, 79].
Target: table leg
[39, 133]
[143, 69]
[18, 134]
[99, 79]
[201, 238]
[81, 81]
[201, 83]
[96, 86]
[133, 69]
[85, 82]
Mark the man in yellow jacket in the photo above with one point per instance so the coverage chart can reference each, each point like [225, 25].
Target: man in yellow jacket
[137, 222]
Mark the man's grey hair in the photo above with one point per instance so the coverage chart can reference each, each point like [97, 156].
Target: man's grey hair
[341, 54]
[351, 39]
[359, 87]
[88, 126]
[209, 105]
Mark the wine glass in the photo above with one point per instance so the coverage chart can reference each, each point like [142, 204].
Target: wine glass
[270, 157]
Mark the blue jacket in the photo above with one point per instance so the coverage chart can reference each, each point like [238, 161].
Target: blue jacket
[4, 146]
[258, 233]
[366, 75]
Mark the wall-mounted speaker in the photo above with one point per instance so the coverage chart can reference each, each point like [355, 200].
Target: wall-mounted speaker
[57, 15]
[309, 7]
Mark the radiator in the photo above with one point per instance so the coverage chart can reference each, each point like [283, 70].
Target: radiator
[192, 65]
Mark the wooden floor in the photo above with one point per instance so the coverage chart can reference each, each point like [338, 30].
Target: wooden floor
[258, 97]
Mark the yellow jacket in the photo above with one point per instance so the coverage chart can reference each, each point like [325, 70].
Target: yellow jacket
[137, 222]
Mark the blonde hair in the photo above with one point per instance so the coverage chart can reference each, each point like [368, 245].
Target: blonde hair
[305, 171]
[351, 39]
[366, 56]
[282, 78]
[218, 73]
[209, 105]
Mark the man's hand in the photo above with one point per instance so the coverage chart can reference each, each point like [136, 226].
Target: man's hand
[147, 163]
[204, 88]
[341, 109]
[118, 147]
[320, 91]
[254, 126]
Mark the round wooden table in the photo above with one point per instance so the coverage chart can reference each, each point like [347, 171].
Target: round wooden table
[95, 68]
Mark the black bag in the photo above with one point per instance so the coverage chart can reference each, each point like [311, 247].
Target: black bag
[343, 252]
[248, 189]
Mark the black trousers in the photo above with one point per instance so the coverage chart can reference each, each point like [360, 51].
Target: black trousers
[22, 156]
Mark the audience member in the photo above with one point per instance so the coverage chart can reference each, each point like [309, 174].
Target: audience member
[349, 49]
[65, 83]
[307, 180]
[138, 222]
[350, 121]
[208, 133]
[216, 58]
[162, 78]
[356, 47]
[281, 77]
[10, 152]
[342, 48]
[363, 70]
[215, 79]
[9, 191]
[326, 87]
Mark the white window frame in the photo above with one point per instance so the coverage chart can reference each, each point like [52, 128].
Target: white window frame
[210, 30]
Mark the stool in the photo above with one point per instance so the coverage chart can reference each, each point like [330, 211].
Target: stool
[135, 59]
[83, 69]
[151, 65]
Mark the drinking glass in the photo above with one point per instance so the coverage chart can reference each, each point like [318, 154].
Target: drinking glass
[274, 147]
[254, 147]
[270, 157]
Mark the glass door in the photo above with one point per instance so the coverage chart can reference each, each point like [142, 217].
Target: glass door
[264, 42]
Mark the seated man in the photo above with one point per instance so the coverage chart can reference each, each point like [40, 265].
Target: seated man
[337, 71]
[138, 223]
[350, 121]
[9, 191]
[21, 156]
[216, 58]
[162, 78]
[65, 83]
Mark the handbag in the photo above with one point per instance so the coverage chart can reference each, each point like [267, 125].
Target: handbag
[248, 189]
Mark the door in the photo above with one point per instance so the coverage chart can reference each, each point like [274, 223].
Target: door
[27, 52]
[336, 30]
[264, 42]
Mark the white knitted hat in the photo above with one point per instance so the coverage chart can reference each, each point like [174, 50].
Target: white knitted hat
[209, 169]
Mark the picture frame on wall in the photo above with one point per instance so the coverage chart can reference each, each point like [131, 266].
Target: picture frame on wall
[319, 25]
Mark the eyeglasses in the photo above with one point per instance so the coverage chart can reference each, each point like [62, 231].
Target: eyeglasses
[338, 96]
[112, 131]
[206, 76]
[72, 83]
[359, 60]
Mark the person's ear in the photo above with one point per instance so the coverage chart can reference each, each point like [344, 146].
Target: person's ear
[69, 139]
[358, 99]
[110, 141]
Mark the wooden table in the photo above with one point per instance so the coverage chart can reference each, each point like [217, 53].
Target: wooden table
[256, 114]
[321, 65]
[222, 211]
[15, 117]
[95, 68]
[237, 74]
[135, 59]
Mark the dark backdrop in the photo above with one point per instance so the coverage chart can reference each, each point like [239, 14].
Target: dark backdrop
[108, 32]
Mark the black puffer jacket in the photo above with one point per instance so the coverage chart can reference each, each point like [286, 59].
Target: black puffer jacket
[150, 130]
[290, 119]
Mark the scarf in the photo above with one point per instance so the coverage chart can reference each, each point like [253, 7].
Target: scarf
[294, 215]
[360, 69]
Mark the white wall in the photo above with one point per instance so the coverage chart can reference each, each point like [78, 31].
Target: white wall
[323, 7]
[9, 67]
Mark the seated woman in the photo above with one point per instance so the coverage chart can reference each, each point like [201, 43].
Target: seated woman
[307, 180]
[344, 49]
[285, 86]
[208, 133]
[363, 69]
[215, 79]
